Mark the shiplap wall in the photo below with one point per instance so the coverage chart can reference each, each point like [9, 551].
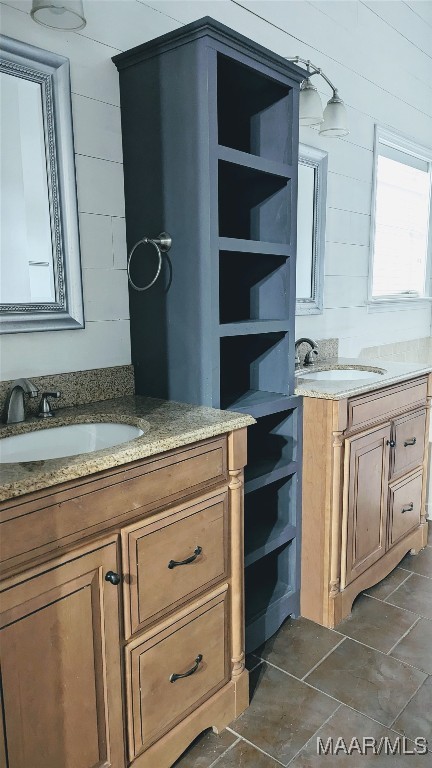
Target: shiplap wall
[379, 54]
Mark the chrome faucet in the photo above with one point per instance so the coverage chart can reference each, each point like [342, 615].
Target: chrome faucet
[309, 355]
[14, 407]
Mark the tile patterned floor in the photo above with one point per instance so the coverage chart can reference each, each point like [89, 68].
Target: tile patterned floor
[370, 677]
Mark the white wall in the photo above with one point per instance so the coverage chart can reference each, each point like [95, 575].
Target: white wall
[377, 53]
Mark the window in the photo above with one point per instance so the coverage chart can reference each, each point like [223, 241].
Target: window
[401, 214]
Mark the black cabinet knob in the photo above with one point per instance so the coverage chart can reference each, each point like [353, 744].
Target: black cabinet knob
[113, 578]
[391, 443]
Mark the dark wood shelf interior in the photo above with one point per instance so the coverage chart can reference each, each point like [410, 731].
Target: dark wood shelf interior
[272, 440]
[253, 111]
[256, 363]
[269, 579]
[253, 205]
[252, 287]
[269, 518]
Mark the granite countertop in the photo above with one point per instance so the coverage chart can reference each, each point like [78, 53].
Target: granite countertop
[166, 425]
[391, 373]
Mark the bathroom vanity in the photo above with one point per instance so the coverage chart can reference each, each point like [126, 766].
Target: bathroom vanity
[122, 617]
[364, 481]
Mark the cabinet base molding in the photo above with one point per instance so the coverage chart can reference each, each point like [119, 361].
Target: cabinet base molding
[215, 713]
[340, 607]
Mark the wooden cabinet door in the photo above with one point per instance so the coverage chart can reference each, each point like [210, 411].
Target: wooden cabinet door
[365, 502]
[60, 666]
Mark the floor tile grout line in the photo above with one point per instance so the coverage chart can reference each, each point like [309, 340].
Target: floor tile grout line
[407, 610]
[403, 637]
[231, 746]
[342, 640]
[314, 734]
[409, 700]
[399, 585]
[370, 647]
[305, 682]
[267, 754]
[414, 573]
[378, 722]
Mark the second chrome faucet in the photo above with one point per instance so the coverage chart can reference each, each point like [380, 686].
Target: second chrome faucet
[309, 357]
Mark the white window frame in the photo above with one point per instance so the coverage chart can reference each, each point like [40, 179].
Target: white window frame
[398, 140]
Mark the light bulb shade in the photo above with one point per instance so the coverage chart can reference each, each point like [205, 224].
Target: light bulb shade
[335, 118]
[310, 111]
[59, 14]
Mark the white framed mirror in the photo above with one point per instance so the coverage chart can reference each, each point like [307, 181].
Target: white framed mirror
[311, 221]
[40, 271]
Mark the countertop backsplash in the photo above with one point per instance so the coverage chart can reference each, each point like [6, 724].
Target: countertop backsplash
[79, 387]
[413, 351]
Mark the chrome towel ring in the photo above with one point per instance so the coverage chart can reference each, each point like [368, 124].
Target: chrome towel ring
[162, 244]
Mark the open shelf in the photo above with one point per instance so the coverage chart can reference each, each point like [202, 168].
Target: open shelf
[248, 327]
[253, 111]
[269, 580]
[253, 205]
[254, 246]
[269, 518]
[253, 363]
[252, 287]
[261, 403]
[255, 162]
[272, 446]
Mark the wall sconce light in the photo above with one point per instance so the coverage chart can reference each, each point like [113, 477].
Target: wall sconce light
[334, 120]
[59, 14]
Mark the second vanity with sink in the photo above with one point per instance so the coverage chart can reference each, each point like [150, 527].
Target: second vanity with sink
[365, 439]
[121, 564]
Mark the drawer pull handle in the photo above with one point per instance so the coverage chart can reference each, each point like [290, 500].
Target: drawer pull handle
[408, 508]
[410, 442]
[391, 443]
[175, 676]
[113, 578]
[174, 563]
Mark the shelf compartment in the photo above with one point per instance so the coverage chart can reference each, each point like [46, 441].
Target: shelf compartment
[269, 518]
[249, 327]
[264, 474]
[254, 162]
[253, 363]
[254, 246]
[253, 205]
[253, 111]
[262, 403]
[252, 287]
[269, 580]
[272, 444]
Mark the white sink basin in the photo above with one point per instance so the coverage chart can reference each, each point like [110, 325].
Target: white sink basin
[337, 374]
[56, 442]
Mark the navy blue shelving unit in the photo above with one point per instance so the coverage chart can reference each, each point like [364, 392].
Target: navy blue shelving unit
[210, 145]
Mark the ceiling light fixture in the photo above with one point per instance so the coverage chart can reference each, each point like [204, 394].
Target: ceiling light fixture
[59, 14]
[334, 120]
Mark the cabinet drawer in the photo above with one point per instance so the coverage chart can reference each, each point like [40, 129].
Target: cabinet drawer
[195, 643]
[405, 506]
[409, 436]
[384, 403]
[66, 514]
[173, 557]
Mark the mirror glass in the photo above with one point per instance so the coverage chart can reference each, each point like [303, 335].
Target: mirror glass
[40, 271]
[311, 216]
[26, 262]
